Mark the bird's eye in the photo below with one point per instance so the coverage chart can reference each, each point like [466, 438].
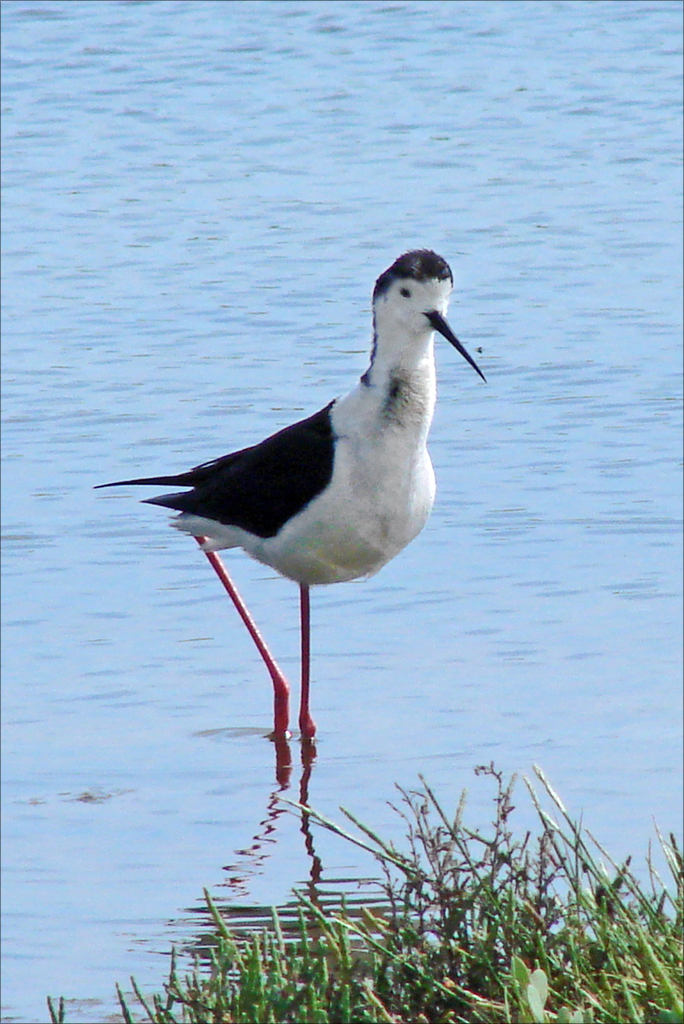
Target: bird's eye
[405, 292]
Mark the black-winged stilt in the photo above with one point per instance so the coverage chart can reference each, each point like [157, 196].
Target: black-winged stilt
[335, 496]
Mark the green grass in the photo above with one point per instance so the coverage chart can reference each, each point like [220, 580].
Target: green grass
[478, 926]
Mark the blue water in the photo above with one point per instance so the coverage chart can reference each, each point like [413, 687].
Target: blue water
[198, 199]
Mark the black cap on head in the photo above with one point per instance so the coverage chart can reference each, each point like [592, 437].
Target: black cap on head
[420, 264]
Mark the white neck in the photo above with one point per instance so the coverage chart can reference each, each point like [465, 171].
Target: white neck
[400, 381]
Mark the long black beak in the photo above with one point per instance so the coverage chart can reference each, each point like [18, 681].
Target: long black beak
[440, 324]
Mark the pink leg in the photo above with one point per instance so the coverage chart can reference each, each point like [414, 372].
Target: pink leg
[306, 722]
[281, 688]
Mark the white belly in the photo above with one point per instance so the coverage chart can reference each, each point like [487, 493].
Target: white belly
[354, 528]
[369, 512]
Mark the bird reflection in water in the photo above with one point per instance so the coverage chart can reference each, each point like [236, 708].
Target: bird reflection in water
[254, 856]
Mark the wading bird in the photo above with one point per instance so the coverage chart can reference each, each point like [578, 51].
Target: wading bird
[337, 495]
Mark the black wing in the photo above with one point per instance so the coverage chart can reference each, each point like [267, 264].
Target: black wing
[258, 488]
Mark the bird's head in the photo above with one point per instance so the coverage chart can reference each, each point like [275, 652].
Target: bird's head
[411, 297]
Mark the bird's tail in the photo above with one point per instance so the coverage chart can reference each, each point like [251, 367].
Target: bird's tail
[155, 481]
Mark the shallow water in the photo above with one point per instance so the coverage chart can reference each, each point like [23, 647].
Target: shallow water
[198, 199]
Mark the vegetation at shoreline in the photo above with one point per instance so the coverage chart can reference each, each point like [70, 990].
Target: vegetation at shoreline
[478, 926]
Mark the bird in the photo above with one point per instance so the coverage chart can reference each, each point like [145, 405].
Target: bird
[337, 495]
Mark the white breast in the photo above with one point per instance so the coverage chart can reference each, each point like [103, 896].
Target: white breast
[379, 498]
